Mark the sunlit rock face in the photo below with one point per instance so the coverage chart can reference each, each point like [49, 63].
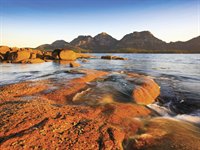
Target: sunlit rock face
[146, 91]
[4, 49]
[67, 55]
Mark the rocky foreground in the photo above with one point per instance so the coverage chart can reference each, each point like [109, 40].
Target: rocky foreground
[53, 114]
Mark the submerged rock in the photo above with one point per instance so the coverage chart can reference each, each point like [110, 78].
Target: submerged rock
[113, 57]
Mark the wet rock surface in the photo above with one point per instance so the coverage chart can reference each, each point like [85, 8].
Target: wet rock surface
[71, 117]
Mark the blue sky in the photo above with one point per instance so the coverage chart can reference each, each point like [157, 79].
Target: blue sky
[29, 23]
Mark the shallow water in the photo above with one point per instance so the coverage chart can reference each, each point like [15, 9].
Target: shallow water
[177, 74]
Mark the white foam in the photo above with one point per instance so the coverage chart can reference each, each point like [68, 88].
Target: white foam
[78, 95]
[189, 118]
[163, 111]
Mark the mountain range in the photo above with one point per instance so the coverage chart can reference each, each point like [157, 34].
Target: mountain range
[144, 42]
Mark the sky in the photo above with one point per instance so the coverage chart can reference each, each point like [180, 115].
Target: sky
[30, 23]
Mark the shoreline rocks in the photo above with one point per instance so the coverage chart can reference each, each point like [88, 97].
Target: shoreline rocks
[27, 55]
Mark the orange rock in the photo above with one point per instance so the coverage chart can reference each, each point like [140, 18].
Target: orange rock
[39, 54]
[122, 115]
[33, 55]
[65, 94]
[15, 49]
[67, 55]
[31, 119]
[33, 61]
[19, 56]
[145, 91]
[15, 91]
[81, 55]
[48, 55]
[165, 134]
[74, 64]
[4, 49]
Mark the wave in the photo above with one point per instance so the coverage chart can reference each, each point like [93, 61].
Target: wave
[193, 117]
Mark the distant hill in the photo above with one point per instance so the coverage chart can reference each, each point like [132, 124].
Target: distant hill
[141, 40]
[100, 43]
[193, 45]
[59, 44]
[136, 42]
